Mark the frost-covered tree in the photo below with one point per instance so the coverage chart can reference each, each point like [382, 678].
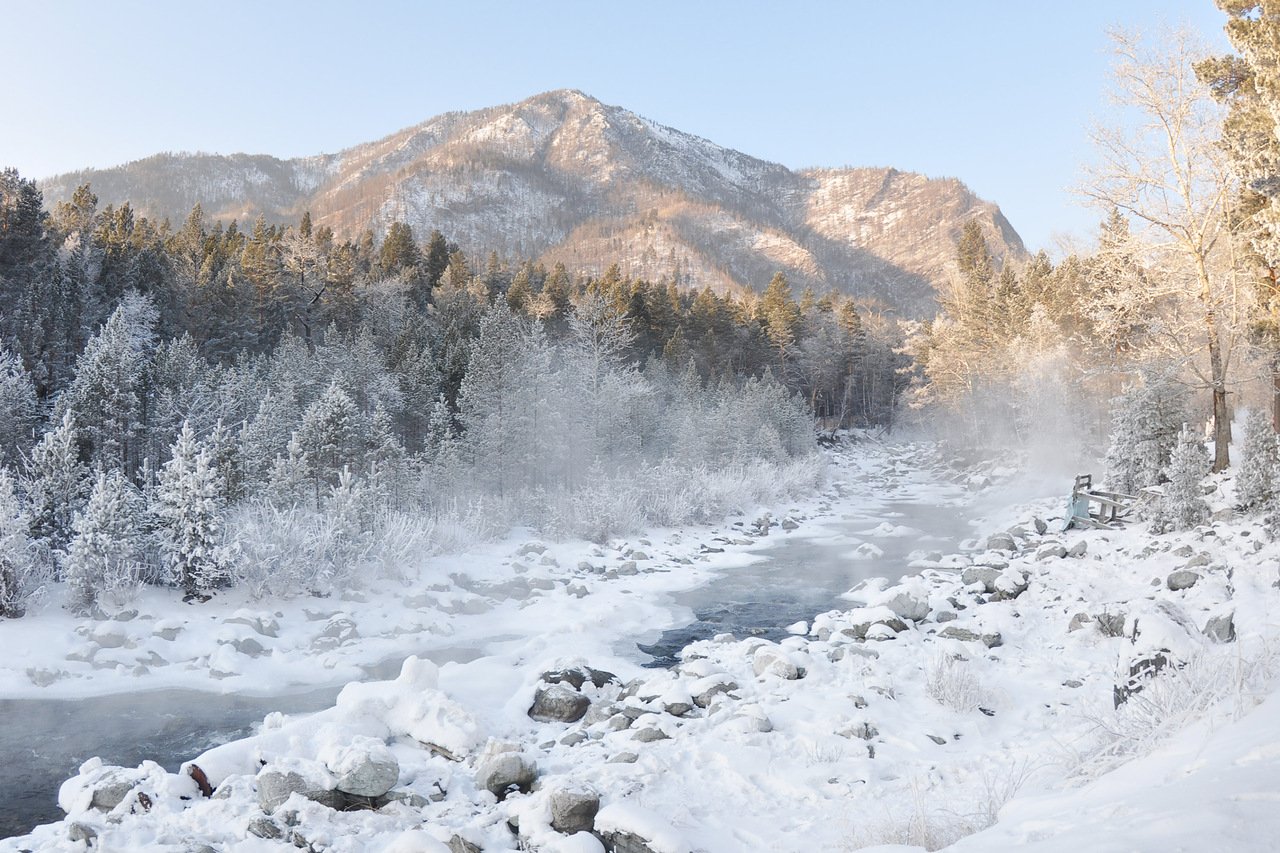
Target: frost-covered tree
[57, 483]
[1184, 506]
[1168, 170]
[289, 481]
[1145, 421]
[386, 462]
[107, 556]
[1256, 481]
[18, 413]
[265, 436]
[331, 435]
[499, 429]
[20, 566]
[106, 398]
[189, 514]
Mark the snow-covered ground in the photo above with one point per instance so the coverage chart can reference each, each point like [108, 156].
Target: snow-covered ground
[985, 686]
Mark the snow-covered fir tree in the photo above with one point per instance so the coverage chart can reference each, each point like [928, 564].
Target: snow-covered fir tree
[1256, 480]
[189, 514]
[331, 435]
[289, 481]
[19, 558]
[57, 483]
[1145, 421]
[106, 398]
[107, 556]
[1184, 505]
[18, 412]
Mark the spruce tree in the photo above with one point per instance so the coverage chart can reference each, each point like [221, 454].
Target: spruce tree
[1255, 483]
[107, 555]
[1184, 505]
[331, 435]
[189, 514]
[57, 483]
[1145, 422]
[19, 559]
[18, 412]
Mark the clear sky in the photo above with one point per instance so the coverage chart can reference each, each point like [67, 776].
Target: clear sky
[999, 94]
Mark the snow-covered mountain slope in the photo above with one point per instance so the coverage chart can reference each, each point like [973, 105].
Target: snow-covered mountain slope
[565, 177]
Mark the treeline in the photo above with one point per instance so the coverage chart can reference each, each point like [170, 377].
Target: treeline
[287, 412]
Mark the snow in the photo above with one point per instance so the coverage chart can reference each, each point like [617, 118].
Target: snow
[987, 724]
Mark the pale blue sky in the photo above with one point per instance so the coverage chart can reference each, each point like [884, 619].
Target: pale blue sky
[999, 94]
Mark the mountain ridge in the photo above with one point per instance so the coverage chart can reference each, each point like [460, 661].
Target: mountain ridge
[564, 177]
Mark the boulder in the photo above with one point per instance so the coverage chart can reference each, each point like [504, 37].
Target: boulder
[1051, 552]
[985, 575]
[558, 703]
[1001, 542]
[499, 772]
[991, 641]
[574, 810]
[1080, 620]
[1010, 584]
[1181, 579]
[909, 607]
[649, 734]
[774, 661]
[1040, 525]
[277, 784]
[1078, 550]
[1221, 629]
[365, 767]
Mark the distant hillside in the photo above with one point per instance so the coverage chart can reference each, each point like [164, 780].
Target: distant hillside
[564, 177]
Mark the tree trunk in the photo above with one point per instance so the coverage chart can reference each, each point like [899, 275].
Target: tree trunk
[1217, 373]
[1275, 396]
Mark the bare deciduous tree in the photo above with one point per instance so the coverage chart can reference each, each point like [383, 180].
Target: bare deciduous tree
[1163, 166]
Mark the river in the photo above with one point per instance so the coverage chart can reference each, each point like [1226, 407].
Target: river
[798, 575]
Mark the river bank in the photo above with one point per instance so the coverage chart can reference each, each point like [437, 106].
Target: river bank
[910, 715]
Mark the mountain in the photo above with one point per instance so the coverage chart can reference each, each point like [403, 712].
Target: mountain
[564, 177]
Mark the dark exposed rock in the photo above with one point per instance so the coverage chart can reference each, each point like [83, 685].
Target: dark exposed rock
[558, 703]
[1221, 629]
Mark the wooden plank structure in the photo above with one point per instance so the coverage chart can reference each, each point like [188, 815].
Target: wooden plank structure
[1095, 508]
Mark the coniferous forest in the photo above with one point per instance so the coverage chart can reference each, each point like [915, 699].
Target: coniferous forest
[279, 408]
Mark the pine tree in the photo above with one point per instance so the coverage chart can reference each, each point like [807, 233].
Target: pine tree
[289, 482]
[106, 397]
[57, 483]
[19, 563]
[106, 557]
[386, 461]
[1184, 505]
[189, 513]
[780, 315]
[18, 413]
[331, 435]
[1256, 481]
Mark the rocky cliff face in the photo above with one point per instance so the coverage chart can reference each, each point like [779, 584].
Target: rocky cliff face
[563, 177]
